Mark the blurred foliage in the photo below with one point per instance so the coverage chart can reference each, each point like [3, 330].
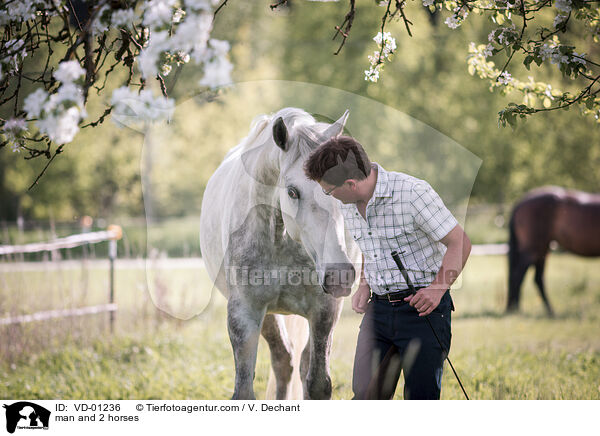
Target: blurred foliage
[100, 173]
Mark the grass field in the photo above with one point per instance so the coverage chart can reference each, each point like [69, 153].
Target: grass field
[150, 355]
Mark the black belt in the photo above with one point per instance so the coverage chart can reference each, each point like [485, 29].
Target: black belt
[394, 297]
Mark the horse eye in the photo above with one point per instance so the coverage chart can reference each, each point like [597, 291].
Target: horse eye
[293, 193]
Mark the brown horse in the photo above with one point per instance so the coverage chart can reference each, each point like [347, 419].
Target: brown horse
[571, 218]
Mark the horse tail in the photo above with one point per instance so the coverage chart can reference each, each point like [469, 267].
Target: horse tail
[297, 333]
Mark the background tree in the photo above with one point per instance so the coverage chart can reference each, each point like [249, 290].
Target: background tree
[427, 79]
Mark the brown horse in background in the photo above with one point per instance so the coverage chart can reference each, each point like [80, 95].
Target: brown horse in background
[571, 218]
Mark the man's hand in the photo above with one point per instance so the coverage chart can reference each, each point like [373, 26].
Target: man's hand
[360, 299]
[425, 300]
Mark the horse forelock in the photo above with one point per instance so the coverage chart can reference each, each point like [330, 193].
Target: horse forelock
[304, 135]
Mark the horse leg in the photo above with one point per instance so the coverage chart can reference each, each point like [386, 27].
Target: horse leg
[515, 279]
[539, 280]
[244, 325]
[318, 381]
[304, 366]
[273, 330]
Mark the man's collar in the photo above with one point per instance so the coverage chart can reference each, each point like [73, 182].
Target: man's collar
[382, 188]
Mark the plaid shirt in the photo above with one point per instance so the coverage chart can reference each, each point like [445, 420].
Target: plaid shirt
[405, 214]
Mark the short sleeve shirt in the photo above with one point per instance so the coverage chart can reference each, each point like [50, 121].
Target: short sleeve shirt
[406, 215]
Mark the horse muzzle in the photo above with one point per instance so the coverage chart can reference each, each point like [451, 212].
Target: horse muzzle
[338, 279]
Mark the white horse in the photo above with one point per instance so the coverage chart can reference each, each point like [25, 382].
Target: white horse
[275, 244]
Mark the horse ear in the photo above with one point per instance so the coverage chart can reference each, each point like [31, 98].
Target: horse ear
[338, 127]
[280, 134]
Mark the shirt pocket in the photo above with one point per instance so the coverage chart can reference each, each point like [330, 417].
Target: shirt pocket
[356, 234]
[392, 239]
[358, 237]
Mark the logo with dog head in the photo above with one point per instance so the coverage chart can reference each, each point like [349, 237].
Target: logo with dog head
[26, 415]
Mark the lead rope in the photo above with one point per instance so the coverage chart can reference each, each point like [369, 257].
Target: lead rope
[413, 291]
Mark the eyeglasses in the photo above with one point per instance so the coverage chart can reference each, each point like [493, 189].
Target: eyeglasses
[331, 190]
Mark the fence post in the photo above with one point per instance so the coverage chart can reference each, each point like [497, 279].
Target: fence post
[112, 255]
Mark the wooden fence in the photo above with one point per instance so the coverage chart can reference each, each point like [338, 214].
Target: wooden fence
[112, 235]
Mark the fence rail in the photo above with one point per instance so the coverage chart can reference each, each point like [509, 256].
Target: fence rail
[489, 249]
[66, 242]
[62, 313]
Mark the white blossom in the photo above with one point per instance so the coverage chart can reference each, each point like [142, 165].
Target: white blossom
[123, 18]
[558, 20]
[372, 74]
[552, 51]
[217, 72]
[100, 25]
[15, 125]
[192, 36]
[68, 71]
[385, 38]
[62, 113]
[158, 13]
[505, 78]
[129, 106]
[14, 129]
[427, 3]
[34, 102]
[178, 15]
[460, 14]
[17, 52]
[375, 58]
[563, 5]
[198, 5]
[68, 93]
[504, 37]
[150, 55]
[452, 22]
[487, 51]
[59, 114]
[387, 45]
[578, 58]
[183, 57]
[63, 127]
[17, 11]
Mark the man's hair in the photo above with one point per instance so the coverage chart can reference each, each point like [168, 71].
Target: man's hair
[337, 160]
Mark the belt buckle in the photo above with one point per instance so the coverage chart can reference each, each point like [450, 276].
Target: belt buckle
[394, 301]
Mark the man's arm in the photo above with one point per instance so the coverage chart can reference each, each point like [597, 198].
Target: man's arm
[457, 252]
[360, 299]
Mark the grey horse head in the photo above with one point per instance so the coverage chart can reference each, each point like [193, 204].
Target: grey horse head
[309, 216]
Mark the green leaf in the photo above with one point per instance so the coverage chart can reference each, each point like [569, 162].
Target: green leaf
[589, 103]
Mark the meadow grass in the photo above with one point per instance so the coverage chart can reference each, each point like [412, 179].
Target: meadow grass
[151, 355]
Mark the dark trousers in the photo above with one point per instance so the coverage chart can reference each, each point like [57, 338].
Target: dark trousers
[393, 339]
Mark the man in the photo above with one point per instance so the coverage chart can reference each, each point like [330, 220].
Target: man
[386, 211]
